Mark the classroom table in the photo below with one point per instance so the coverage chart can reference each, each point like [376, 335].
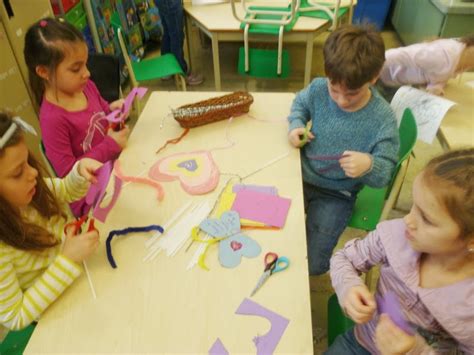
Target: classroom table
[159, 306]
[218, 23]
[457, 127]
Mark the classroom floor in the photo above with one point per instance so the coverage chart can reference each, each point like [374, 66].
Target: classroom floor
[201, 53]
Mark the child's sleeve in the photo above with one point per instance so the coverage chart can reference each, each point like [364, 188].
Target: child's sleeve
[70, 188]
[18, 308]
[57, 140]
[300, 112]
[384, 154]
[357, 256]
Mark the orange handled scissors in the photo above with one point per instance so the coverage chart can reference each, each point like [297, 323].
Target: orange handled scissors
[77, 225]
[273, 264]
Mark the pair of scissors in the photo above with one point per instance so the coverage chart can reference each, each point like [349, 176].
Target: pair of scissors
[273, 264]
[77, 225]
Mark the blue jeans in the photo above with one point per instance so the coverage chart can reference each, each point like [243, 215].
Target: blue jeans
[172, 18]
[327, 214]
[346, 344]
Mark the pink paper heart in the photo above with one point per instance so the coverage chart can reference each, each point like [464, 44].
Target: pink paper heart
[235, 245]
[201, 179]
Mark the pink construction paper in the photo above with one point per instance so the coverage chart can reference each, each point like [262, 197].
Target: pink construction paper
[261, 207]
[96, 191]
[272, 190]
[218, 348]
[266, 344]
[102, 213]
[118, 115]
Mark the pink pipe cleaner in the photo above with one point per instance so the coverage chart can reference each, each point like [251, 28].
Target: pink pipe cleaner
[141, 180]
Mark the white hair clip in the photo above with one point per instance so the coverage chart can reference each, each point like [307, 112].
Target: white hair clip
[17, 122]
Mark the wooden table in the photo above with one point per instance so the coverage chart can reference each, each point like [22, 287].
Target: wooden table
[457, 127]
[218, 23]
[160, 307]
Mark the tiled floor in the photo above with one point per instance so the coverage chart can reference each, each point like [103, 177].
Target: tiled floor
[201, 53]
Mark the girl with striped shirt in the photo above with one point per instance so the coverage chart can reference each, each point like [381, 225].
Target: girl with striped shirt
[426, 259]
[38, 260]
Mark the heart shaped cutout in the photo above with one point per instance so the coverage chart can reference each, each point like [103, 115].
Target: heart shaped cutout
[235, 245]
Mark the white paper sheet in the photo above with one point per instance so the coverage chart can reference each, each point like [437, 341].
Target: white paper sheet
[429, 110]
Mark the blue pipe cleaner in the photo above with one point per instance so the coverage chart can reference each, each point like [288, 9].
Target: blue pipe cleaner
[119, 232]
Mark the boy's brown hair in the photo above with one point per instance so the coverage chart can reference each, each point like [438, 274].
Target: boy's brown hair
[353, 55]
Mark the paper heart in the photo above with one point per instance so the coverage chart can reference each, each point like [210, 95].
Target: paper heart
[229, 257]
[228, 224]
[235, 245]
[203, 179]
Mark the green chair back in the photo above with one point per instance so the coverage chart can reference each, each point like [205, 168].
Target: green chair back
[370, 201]
[16, 341]
[338, 323]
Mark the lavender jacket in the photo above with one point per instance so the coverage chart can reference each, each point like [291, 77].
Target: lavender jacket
[443, 315]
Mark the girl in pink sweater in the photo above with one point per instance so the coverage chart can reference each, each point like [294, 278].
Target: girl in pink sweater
[71, 110]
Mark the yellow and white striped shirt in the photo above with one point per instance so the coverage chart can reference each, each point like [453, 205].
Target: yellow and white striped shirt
[31, 280]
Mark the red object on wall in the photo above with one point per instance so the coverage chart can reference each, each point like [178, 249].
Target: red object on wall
[67, 5]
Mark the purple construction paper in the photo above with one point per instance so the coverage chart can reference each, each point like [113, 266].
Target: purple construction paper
[101, 213]
[218, 348]
[272, 190]
[262, 207]
[266, 344]
[118, 115]
[96, 191]
[390, 305]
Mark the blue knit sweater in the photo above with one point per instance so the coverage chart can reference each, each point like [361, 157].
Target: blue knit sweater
[372, 129]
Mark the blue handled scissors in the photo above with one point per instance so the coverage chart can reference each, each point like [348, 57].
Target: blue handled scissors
[273, 264]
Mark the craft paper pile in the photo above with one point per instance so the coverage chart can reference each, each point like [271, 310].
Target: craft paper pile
[258, 206]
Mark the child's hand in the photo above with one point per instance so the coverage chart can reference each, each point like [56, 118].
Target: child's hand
[80, 247]
[390, 339]
[359, 304]
[296, 136]
[117, 105]
[121, 137]
[355, 164]
[437, 90]
[87, 168]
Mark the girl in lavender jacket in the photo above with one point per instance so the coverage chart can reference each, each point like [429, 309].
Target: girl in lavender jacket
[71, 110]
[426, 259]
[429, 64]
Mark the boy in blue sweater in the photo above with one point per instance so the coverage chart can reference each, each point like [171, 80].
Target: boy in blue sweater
[353, 140]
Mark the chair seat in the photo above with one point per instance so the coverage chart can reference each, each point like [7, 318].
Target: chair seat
[338, 323]
[157, 67]
[368, 208]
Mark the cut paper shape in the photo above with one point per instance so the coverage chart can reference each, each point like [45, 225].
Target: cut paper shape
[195, 182]
[138, 179]
[101, 213]
[96, 193]
[261, 207]
[390, 305]
[266, 344]
[218, 348]
[119, 114]
[272, 190]
[232, 244]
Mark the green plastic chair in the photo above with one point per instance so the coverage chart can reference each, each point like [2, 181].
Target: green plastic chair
[338, 323]
[374, 204]
[152, 68]
[16, 341]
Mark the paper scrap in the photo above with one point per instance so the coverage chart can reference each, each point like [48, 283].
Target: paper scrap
[218, 348]
[429, 110]
[266, 344]
[272, 190]
[261, 207]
